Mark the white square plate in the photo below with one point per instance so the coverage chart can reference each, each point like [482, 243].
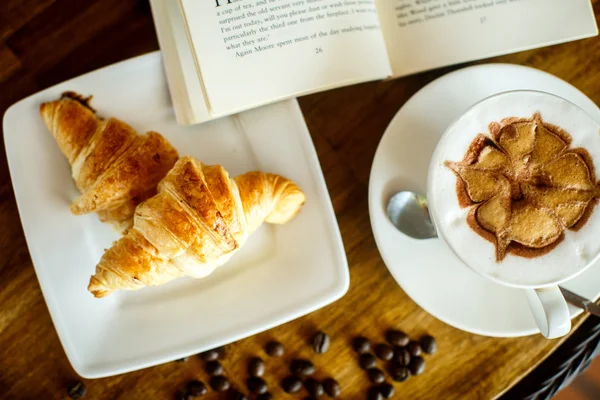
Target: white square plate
[283, 272]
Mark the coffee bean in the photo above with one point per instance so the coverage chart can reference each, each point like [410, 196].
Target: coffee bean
[237, 395]
[214, 368]
[274, 348]
[374, 393]
[183, 395]
[398, 372]
[414, 348]
[320, 342]
[367, 360]
[417, 365]
[402, 356]
[300, 367]
[265, 396]
[184, 359]
[291, 384]
[428, 344]
[332, 387]
[397, 338]
[376, 375]
[384, 351]
[361, 345]
[77, 390]
[210, 355]
[256, 366]
[256, 385]
[314, 387]
[195, 388]
[219, 383]
[387, 390]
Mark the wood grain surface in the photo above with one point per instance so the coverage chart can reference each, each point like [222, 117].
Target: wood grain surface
[43, 42]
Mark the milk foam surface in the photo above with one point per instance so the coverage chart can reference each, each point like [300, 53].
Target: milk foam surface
[574, 253]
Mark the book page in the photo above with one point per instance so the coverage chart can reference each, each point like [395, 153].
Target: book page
[251, 52]
[426, 34]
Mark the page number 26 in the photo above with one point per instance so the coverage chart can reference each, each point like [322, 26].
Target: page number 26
[318, 50]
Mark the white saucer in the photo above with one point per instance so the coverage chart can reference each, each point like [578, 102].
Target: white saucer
[426, 269]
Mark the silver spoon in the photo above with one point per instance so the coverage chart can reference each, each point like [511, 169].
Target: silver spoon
[409, 213]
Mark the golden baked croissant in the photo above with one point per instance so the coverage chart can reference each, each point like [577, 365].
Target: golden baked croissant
[196, 222]
[113, 167]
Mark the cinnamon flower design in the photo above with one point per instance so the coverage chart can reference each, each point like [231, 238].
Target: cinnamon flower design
[525, 186]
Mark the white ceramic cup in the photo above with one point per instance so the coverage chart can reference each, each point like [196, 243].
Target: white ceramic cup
[548, 307]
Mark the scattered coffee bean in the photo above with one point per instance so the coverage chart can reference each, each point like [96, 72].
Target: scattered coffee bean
[376, 375]
[265, 396]
[374, 393]
[332, 387]
[274, 349]
[214, 368]
[398, 372]
[414, 348]
[256, 385]
[397, 338]
[417, 365]
[301, 367]
[182, 395]
[428, 344]
[367, 360]
[195, 388]
[237, 395]
[219, 383]
[221, 352]
[320, 342]
[256, 367]
[361, 345]
[77, 390]
[402, 356]
[384, 351]
[291, 384]
[210, 355]
[184, 359]
[314, 387]
[387, 390]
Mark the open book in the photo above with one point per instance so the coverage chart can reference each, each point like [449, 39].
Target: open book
[225, 56]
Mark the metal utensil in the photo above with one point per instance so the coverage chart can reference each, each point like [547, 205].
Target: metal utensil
[409, 213]
[581, 302]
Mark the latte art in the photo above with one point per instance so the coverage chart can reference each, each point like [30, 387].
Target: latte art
[525, 186]
[512, 189]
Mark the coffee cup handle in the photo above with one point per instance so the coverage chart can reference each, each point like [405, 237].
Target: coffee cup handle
[550, 311]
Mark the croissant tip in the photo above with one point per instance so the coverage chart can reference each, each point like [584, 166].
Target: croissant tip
[81, 99]
[100, 293]
[76, 209]
[46, 110]
[98, 290]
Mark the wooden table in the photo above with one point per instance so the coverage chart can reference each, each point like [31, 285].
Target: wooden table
[43, 42]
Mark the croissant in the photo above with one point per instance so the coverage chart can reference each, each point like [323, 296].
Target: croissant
[198, 219]
[114, 168]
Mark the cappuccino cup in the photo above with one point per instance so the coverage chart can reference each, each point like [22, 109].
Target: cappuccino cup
[512, 190]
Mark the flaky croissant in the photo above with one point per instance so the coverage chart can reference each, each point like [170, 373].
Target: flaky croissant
[196, 222]
[113, 167]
